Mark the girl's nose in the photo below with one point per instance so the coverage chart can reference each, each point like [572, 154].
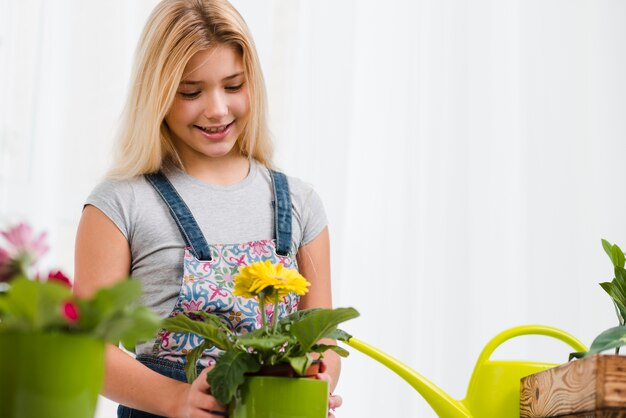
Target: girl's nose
[216, 107]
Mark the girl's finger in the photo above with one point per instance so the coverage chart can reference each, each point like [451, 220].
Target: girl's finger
[201, 382]
[323, 376]
[334, 401]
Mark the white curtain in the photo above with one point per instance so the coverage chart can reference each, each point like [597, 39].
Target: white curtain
[469, 154]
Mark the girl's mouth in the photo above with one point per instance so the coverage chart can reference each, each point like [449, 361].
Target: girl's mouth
[215, 133]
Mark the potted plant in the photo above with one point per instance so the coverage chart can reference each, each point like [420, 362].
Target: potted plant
[590, 386]
[615, 337]
[242, 378]
[51, 341]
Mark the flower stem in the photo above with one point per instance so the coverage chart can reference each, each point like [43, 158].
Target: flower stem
[261, 297]
[274, 319]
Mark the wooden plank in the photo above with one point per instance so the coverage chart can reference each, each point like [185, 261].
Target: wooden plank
[581, 388]
[614, 380]
[549, 393]
[607, 413]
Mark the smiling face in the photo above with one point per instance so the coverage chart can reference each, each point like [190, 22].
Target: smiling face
[211, 106]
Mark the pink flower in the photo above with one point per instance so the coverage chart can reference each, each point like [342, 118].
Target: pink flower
[25, 244]
[165, 339]
[69, 310]
[259, 248]
[59, 277]
[194, 305]
[269, 314]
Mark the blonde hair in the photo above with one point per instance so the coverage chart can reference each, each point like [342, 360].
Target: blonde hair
[175, 31]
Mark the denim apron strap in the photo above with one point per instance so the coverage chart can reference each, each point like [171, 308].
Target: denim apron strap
[182, 215]
[282, 213]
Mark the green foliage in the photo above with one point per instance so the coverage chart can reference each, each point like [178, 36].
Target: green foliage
[617, 287]
[320, 324]
[613, 337]
[320, 348]
[32, 306]
[301, 363]
[291, 341]
[191, 370]
[229, 373]
[211, 329]
[110, 315]
[614, 252]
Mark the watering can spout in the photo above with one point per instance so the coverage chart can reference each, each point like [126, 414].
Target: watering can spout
[493, 390]
[442, 403]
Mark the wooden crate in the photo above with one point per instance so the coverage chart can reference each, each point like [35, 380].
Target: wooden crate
[593, 387]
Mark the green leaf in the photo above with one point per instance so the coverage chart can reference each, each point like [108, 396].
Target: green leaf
[191, 370]
[610, 338]
[617, 290]
[34, 306]
[138, 325]
[229, 373]
[4, 305]
[21, 296]
[120, 295]
[113, 315]
[614, 252]
[263, 343]
[213, 319]
[298, 315]
[216, 335]
[50, 298]
[320, 324]
[578, 354]
[607, 286]
[608, 248]
[127, 326]
[301, 364]
[340, 335]
[321, 348]
[620, 279]
[617, 256]
[619, 300]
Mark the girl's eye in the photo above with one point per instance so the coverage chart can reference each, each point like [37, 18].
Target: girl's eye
[190, 95]
[234, 89]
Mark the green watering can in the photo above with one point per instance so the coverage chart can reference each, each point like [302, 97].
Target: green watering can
[494, 388]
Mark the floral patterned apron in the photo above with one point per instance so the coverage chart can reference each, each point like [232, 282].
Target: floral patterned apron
[208, 270]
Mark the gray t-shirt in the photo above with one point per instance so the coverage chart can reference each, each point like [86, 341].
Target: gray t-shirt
[233, 214]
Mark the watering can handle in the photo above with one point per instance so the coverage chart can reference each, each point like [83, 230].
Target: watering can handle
[529, 330]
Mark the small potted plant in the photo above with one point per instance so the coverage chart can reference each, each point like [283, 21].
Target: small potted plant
[591, 385]
[250, 375]
[51, 341]
[615, 337]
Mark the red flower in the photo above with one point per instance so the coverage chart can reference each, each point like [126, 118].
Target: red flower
[69, 310]
[58, 276]
[5, 266]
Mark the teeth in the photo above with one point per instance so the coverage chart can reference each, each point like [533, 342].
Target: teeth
[213, 130]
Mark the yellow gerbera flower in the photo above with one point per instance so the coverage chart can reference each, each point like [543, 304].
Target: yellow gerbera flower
[273, 278]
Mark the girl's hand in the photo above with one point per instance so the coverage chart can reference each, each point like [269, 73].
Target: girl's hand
[334, 401]
[197, 401]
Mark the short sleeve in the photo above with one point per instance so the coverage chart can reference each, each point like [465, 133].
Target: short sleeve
[309, 210]
[115, 199]
[315, 217]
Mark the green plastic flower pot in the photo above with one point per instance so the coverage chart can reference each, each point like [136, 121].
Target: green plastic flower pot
[50, 375]
[281, 397]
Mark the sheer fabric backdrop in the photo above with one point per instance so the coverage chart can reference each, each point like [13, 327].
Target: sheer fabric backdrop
[469, 154]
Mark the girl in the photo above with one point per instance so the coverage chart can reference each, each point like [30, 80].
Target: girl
[193, 182]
